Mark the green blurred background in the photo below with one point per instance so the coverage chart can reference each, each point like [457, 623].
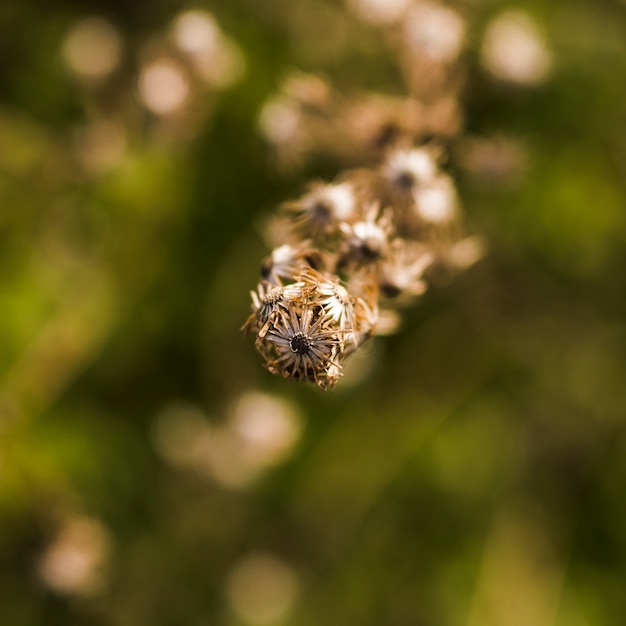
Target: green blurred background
[470, 470]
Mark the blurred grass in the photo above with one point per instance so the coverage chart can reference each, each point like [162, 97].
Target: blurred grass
[474, 474]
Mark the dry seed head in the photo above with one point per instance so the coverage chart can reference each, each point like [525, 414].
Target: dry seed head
[286, 261]
[366, 240]
[405, 169]
[303, 344]
[326, 291]
[319, 212]
[401, 273]
[267, 302]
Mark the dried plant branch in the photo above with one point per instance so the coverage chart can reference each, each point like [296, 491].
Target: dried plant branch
[353, 251]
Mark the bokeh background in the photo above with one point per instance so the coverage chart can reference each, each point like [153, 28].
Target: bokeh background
[469, 470]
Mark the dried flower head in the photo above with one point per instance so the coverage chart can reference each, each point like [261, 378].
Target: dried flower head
[328, 292]
[366, 241]
[401, 274]
[303, 343]
[405, 169]
[320, 212]
[267, 302]
[286, 261]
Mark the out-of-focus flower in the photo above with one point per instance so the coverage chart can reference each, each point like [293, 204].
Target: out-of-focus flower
[93, 48]
[216, 58]
[366, 241]
[436, 202]
[100, 145]
[268, 425]
[261, 431]
[514, 50]
[279, 120]
[402, 271]
[196, 32]
[181, 434]
[405, 169]
[498, 161]
[380, 11]
[163, 86]
[76, 561]
[287, 261]
[307, 90]
[434, 32]
[262, 589]
[297, 111]
[466, 252]
[319, 212]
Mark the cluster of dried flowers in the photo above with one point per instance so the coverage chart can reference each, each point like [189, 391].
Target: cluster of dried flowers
[350, 253]
[357, 250]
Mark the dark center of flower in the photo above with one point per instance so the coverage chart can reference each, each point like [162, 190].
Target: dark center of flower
[371, 248]
[322, 211]
[405, 180]
[389, 290]
[300, 343]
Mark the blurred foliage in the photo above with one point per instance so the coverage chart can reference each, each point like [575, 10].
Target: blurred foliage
[471, 470]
